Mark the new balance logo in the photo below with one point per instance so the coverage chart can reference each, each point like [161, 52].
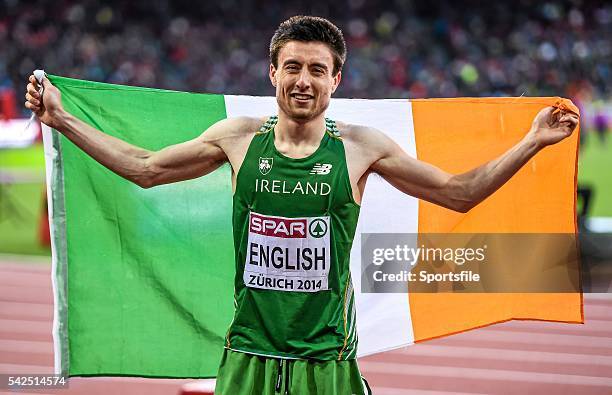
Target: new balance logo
[321, 169]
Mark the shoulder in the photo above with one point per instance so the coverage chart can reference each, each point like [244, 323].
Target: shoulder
[233, 136]
[233, 128]
[247, 124]
[361, 137]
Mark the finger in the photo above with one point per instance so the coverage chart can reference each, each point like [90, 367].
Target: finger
[555, 116]
[542, 117]
[35, 109]
[574, 118]
[32, 100]
[46, 84]
[32, 91]
[568, 126]
[34, 82]
[570, 119]
[547, 114]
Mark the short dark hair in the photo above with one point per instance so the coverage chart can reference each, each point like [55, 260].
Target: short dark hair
[309, 28]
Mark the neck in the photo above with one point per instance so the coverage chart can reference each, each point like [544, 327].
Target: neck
[299, 132]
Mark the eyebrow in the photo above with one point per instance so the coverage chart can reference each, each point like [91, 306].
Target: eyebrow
[322, 65]
[315, 64]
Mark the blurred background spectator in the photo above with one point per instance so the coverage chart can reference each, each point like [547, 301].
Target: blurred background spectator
[397, 48]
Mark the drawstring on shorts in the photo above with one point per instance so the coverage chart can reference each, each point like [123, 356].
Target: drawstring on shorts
[282, 364]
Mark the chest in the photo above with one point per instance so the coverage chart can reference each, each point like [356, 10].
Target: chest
[271, 182]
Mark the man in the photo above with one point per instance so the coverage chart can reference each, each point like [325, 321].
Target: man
[294, 325]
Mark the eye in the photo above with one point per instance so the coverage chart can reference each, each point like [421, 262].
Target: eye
[292, 67]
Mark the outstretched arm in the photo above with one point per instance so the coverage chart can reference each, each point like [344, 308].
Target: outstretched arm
[461, 192]
[146, 168]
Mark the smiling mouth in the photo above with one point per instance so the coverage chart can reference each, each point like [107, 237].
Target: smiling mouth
[301, 96]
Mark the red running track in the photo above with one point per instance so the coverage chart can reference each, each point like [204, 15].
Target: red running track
[510, 358]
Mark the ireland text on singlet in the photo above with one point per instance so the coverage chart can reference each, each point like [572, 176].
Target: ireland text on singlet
[294, 222]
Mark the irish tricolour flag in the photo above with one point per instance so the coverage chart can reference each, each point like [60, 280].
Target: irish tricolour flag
[143, 279]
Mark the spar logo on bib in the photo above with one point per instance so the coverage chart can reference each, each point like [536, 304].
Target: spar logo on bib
[317, 228]
[277, 226]
[287, 254]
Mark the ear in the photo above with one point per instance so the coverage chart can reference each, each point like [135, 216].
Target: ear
[337, 79]
[272, 75]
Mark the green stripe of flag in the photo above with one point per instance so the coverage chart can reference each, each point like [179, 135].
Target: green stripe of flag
[150, 271]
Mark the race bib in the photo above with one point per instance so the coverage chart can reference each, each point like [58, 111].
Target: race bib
[287, 254]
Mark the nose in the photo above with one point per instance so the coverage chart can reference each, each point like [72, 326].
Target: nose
[303, 82]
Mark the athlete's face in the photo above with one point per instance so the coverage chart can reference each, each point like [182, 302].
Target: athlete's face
[304, 79]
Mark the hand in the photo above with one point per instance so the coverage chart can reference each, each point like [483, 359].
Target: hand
[551, 126]
[47, 108]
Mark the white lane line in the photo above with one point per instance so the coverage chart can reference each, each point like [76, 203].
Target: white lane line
[435, 372]
[403, 391]
[33, 310]
[25, 369]
[24, 326]
[499, 354]
[25, 279]
[27, 294]
[26, 346]
[26, 266]
[478, 336]
[592, 324]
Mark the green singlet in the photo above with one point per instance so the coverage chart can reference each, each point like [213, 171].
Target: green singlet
[294, 221]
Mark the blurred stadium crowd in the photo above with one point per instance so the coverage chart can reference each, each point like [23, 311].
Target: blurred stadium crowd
[411, 49]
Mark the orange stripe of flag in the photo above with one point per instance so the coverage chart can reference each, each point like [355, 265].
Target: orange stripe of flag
[458, 135]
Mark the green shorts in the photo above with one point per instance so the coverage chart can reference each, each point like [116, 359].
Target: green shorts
[248, 374]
